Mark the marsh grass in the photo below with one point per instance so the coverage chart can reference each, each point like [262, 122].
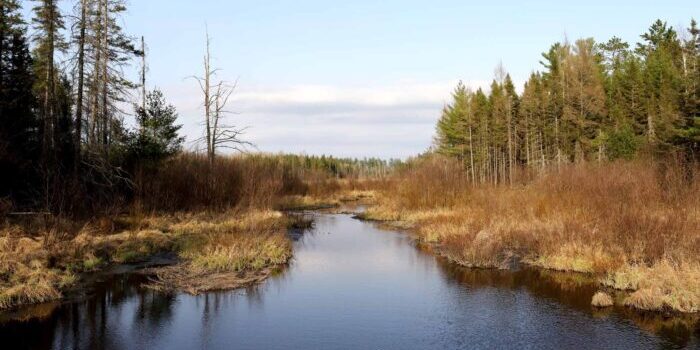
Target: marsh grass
[227, 252]
[216, 217]
[36, 268]
[602, 300]
[634, 224]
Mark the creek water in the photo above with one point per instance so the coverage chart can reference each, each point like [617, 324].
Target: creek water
[351, 285]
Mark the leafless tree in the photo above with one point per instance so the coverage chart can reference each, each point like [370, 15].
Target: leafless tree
[218, 133]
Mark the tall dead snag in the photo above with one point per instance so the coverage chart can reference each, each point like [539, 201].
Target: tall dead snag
[217, 133]
[81, 85]
[49, 25]
[143, 72]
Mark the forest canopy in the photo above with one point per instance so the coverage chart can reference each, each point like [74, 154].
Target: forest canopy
[590, 101]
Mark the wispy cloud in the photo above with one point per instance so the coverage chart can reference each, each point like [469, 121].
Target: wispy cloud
[395, 120]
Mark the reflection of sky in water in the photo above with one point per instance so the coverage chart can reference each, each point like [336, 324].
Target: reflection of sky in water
[350, 286]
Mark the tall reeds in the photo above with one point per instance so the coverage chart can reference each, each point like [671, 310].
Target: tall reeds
[596, 218]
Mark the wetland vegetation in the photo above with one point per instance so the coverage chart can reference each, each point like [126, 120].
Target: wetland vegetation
[587, 178]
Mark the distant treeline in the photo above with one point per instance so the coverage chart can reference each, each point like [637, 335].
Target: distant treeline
[340, 167]
[592, 101]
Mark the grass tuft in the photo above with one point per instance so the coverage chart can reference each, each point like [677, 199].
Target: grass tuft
[602, 300]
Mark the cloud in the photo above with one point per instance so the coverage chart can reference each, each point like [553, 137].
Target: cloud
[389, 121]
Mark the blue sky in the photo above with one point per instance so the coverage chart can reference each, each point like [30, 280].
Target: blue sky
[363, 78]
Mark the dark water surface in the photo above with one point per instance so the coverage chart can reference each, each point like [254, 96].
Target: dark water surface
[352, 286]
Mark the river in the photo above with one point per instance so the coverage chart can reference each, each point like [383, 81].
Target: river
[351, 285]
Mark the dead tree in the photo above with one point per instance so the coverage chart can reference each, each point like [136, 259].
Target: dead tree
[218, 133]
[81, 86]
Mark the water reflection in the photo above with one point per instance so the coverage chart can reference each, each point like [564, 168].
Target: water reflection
[90, 323]
[351, 286]
[575, 291]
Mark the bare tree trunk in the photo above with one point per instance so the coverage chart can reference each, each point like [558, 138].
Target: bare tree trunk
[510, 141]
[207, 100]
[471, 156]
[528, 146]
[651, 131]
[50, 135]
[105, 78]
[94, 109]
[48, 103]
[81, 82]
[143, 73]
[542, 153]
[96, 129]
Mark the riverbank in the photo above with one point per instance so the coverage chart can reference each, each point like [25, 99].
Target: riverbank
[331, 201]
[635, 231]
[213, 251]
[380, 284]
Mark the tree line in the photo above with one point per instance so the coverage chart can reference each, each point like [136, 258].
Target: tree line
[64, 145]
[590, 102]
[340, 168]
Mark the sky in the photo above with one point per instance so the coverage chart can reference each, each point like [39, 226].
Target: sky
[362, 78]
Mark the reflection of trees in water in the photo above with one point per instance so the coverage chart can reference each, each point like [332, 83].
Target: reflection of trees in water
[90, 324]
[108, 309]
[574, 291]
[29, 333]
[212, 304]
[154, 309]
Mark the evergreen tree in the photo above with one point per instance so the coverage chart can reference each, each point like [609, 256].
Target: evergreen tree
[661, 51]
[19, 142]
[157, 135]
[584, 104]
[10, 23]
[554, 78]
[111, 50]
[590, 102]
[49, 24]
[451, 128]
[691, 66]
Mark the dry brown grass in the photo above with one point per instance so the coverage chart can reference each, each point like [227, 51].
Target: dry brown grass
[189, 183]
[664, 286]
[26, 274]
[227, 253]
[36, 267]
[602, 299]
[590, 218]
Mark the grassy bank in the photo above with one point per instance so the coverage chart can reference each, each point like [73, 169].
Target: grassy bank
[219, 220]
[237, 245]
[635, 225]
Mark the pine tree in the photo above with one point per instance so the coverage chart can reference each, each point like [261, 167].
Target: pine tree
[584, 105]
[80, 41]
[512, 124]
[451, 135]
[532, 122]
[156, 136]
[661, 51]
[691, 65]
[19, 141]
[49, 24]
[554, 79]
[10, 23]
[111, 51]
